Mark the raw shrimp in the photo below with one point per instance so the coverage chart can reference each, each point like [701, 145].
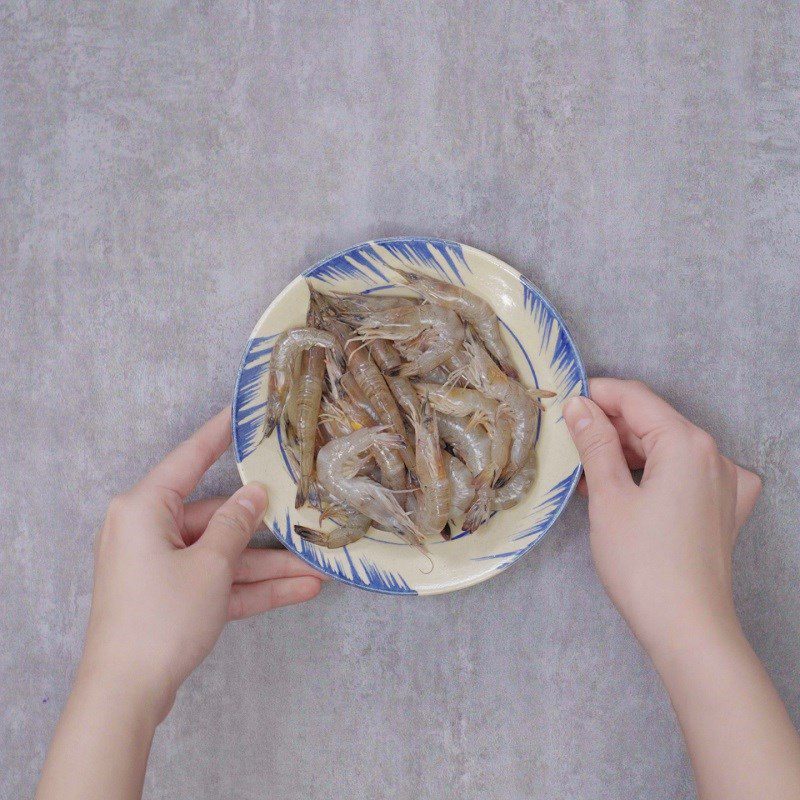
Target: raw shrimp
[481, 410]
[433, 499]
[373, 384]
[357, 397]
[462, 491]
[393, 470]
[404, 394]
[353, 529]
[472, 309]
[285, 351]
[309, 396]
[439, 376]
[338, 463]
[359, 304]
[513, 491]
[385, 356]
[491, 380]
[473, 447]
[431, 334]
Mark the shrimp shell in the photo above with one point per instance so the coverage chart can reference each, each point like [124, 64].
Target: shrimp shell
[462, 492]
[337, 465]
[393, 470]
[513, 491]
[491, 380]
[473, 447]
[481, 409]
[431, 334]
[285, 352]
[403, 391]
[471, 308]
[433, 499]
[353, 529]
[373, 384]
[385, 356]
[309, 396]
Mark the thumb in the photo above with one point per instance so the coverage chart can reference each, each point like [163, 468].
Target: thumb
[235, 521]
[598, 444]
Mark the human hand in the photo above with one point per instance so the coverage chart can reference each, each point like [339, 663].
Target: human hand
[662, 549]
[169, 574]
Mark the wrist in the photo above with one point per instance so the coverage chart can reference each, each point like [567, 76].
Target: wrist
[123, 691]
[701, 632]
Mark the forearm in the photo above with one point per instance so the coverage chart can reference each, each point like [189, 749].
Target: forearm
[101, 744]
[740, 739]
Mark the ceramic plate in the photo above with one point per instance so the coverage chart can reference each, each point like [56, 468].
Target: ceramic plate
[545, 356]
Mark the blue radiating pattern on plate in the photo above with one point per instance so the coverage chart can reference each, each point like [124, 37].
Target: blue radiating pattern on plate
[359, 262]
[420, 253]
[247, 419]
[549, 507]
[375, 579]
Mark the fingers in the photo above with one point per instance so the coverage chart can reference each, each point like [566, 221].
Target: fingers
[266, 564]
[748, 489]
[599, 446]
[644, 412]
[234, 522]
[248, 599]
[632, 445]
[182, 469]
[197, 515]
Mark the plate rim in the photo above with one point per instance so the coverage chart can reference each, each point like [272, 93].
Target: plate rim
[584, 391]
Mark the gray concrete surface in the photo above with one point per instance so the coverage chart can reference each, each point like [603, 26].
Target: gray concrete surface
[166, 168]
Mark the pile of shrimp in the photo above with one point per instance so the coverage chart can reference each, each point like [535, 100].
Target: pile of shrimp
[402, 413]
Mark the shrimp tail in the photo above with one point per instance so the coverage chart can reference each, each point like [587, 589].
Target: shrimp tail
[480, 509]
[510, 371]
[447, 532]
[307, 492]
[408, 370]
[311, 535]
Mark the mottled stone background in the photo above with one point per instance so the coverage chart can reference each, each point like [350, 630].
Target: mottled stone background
[165, 168]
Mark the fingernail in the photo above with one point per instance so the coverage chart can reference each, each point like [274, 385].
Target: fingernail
[253, 497]
[577, 414]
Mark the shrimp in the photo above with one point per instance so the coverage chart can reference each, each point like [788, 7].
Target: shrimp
[351, 530]
[358, 398]
[373, 384]
[491, 380]
[513, 491]
[337, 465]
[359, 304]
[309, 396]
[472, 309]
[285, 351]
[473, 447]
[393, 470]
[404, 394]
[462, 492]
[433, 499]
[385, 356]
[430, 334]
[482, 410]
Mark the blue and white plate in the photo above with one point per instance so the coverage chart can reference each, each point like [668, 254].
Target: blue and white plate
[545, 356]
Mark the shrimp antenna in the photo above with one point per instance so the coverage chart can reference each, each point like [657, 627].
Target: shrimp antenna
[430, 561]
